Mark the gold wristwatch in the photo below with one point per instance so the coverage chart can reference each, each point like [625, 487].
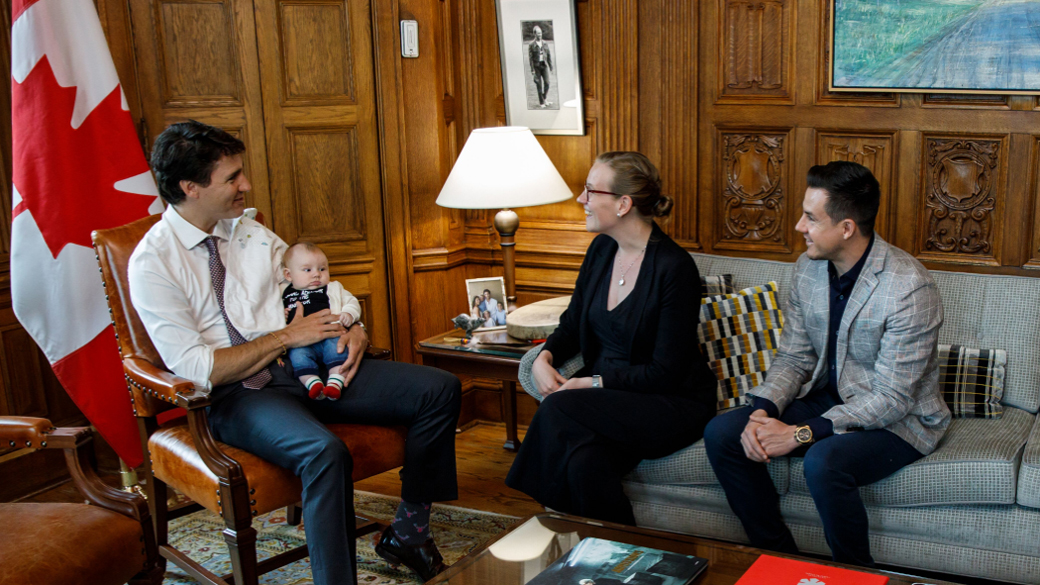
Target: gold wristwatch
[803, 434]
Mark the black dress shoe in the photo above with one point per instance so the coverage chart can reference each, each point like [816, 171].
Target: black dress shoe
[423, 558]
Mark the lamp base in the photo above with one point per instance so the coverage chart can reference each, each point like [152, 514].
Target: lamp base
[507, 222]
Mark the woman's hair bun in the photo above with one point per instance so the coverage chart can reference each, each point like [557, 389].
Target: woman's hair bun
[663, 206]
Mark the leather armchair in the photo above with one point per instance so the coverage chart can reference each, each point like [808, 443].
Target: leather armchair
[183, 453]
[108, 540]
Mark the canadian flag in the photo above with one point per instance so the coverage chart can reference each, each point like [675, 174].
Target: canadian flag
[77, 167]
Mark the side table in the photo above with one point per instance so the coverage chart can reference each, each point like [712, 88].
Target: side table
[497, 357]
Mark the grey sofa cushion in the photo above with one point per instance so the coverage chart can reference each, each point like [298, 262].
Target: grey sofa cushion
[1029, 471]
[690, 466]
[976, 463]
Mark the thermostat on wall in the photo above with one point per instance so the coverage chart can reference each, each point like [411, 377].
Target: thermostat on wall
[410, 39]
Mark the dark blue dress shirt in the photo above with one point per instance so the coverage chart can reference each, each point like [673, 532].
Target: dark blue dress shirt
[840, 291]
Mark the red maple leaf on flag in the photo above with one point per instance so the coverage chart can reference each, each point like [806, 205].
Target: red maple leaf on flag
[65, 176]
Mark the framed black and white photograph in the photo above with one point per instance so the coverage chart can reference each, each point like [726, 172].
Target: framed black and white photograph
[541, 77]
[486, 298]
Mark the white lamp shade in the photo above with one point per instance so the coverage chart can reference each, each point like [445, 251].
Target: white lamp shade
[500, 168]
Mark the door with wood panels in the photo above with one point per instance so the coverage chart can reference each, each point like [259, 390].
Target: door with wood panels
[294, 80]
[316, 71]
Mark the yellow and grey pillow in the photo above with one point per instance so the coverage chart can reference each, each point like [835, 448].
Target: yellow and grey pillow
[972, 380]
[740, 333]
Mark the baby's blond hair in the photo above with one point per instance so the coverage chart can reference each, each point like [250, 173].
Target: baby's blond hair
[310, 247]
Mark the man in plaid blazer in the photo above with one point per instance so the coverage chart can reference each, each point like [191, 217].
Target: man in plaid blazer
[854, 385]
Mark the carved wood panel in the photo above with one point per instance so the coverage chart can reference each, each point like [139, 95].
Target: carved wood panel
[872, 151]
[755, 49]
[330, 205]
[752, 206]
[962, 199]
[316, 54]
[197, 45]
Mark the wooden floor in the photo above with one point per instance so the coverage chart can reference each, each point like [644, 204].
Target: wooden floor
[482, 467]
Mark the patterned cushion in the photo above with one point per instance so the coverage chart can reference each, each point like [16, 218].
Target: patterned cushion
[713, 286]
[739, 333]
[972, 380]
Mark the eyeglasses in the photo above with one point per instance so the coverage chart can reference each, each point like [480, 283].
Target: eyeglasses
[591, 191]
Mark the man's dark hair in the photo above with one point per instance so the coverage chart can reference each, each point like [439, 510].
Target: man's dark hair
[852, 192]
[189, 151]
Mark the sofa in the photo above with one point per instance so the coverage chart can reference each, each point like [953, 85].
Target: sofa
[972, 507]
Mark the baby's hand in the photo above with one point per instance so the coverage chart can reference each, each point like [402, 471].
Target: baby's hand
[346, 319]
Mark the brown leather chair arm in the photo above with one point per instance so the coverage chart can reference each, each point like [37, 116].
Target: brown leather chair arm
[377, 353]
[24, 431]
[163, 384]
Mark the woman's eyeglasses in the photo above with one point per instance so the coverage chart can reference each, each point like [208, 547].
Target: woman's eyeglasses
[591, 191]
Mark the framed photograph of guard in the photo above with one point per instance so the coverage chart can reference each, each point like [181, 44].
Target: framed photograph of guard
[486, 299]
[934, 46]
[541, 76]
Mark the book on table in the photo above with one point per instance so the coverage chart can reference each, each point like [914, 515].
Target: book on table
[770, 570]
[595, 561]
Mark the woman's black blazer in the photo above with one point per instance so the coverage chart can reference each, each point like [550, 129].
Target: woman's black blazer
[664, 357]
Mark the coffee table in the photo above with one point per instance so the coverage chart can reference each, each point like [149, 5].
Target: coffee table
[526, 549]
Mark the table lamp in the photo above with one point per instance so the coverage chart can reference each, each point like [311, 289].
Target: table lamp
[503, 168]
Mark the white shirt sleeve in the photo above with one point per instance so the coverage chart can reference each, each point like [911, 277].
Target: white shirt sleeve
[168, 317]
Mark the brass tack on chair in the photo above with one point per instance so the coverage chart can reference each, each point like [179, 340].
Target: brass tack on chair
[254, 512]
[252, 491]
[12, 443]
[252, 502]
[28, 443]
[43, 444]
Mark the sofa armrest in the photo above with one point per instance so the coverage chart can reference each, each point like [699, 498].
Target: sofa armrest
[1029, 470]
[568, 369]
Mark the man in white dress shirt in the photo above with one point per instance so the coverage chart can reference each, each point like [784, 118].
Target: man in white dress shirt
[206, 283]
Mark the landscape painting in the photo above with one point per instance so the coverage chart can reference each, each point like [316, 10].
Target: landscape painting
[960, 46]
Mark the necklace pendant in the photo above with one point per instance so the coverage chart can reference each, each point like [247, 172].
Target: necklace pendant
[621, 282]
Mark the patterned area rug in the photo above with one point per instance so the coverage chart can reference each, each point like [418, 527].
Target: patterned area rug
[457, 530]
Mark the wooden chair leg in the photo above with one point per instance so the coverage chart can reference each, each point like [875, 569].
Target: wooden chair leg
[293, 514]
[242, 550]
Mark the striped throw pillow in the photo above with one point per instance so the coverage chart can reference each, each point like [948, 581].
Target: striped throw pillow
[713, 286]
[972, 380]
[739, 333]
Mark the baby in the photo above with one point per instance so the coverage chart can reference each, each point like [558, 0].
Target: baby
[307, 270]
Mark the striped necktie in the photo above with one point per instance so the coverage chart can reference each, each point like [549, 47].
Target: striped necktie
[217, 274]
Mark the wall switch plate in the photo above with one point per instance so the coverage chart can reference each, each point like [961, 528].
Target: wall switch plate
[410, 39]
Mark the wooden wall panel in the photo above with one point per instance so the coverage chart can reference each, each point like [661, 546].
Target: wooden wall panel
[752, 208]
[962, 199]
[755, 50]
[329, 200]
[196, 38]
[316, 52]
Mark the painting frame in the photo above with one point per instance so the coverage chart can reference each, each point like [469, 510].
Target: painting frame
[495, 287]
[905, 61]
[541, 72]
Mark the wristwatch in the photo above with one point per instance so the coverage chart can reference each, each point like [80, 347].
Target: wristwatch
[597, 381]
[363, 328]
[803, 434]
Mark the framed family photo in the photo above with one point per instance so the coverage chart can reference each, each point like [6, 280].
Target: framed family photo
[948, 46]
[541, 77]
[486, 299]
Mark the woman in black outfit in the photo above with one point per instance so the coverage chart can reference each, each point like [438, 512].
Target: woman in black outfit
[645, 391]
